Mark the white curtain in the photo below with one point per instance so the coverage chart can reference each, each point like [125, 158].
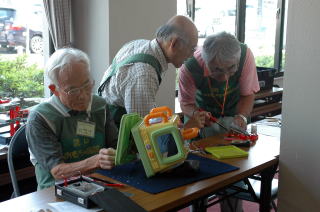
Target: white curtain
[58, 13]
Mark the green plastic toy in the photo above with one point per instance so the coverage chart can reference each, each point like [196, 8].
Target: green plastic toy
[137, 135]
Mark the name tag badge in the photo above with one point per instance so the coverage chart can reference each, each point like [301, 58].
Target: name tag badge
[85, 128]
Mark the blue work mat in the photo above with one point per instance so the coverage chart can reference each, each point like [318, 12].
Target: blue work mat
[134, 175]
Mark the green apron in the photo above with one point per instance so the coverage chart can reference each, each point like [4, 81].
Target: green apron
[74, 147]
[116, 110]
[207, 98]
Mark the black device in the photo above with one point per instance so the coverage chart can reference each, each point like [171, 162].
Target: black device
[78, 190]
[266, 77]
[86, 192]
[241, 143]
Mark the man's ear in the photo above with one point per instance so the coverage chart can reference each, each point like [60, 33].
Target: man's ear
[174, 43]
[52, 88]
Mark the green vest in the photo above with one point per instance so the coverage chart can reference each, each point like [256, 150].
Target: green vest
[206, 98]
[115, 110]
[74, 147]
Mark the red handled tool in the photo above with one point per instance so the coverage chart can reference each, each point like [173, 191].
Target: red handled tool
[215, 120]
[241, 134]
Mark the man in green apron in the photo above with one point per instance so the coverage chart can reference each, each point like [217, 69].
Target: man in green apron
[132, 81]
[72, 132]
[220, 78]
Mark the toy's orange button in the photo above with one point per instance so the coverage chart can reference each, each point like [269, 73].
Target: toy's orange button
[151, 155]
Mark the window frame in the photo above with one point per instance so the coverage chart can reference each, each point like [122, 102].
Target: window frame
[240, 28]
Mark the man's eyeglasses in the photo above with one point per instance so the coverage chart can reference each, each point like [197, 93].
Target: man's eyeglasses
[231, 70]
[76, 91]
[192, 49]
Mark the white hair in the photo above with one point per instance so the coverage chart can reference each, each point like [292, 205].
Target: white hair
[222, 47]
[167, 31]
[62, 59]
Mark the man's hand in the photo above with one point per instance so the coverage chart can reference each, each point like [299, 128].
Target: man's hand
[106, 158]
[103, 160]
[240, 121]
[197, 120]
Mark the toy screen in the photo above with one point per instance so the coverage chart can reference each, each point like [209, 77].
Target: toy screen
[167, 145]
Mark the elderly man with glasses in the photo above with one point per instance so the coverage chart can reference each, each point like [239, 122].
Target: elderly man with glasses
[73, 131]
[132, 80]
[220, 78]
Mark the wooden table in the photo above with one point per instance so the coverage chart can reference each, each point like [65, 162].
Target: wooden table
[262, 159]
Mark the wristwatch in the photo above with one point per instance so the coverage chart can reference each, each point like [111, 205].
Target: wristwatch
[243, 118]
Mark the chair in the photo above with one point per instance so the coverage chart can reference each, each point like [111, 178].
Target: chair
[249, 190]
[19, 157]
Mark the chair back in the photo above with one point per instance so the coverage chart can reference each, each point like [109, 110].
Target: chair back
[18, 157]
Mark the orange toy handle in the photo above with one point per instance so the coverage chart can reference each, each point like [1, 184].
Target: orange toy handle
[155, 115]
[162, 109]
[189, 133]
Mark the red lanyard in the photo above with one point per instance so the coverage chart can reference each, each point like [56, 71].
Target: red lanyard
[224, 95]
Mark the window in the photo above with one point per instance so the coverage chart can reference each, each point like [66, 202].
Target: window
[212, 16]
[258, 23]
[261, 31]
[22, 24]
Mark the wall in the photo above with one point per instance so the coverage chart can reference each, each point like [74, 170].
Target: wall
[90, 22]
[101, 27]
[300, 142]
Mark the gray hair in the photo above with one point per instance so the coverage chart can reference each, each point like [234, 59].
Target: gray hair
[62, 59]
[221, 47]
[168, 31]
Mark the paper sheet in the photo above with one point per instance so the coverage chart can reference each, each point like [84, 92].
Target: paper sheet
[68, 206]
[273, 131]
[270, 126]
[62, 207]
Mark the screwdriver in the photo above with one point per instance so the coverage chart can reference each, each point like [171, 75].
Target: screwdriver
[214, 119]
[238, 129]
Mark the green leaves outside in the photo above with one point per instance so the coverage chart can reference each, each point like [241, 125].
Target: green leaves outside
[20, 79]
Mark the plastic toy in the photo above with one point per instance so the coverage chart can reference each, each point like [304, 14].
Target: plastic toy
[149, 134]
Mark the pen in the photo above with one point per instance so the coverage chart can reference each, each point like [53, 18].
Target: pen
[114, 184]
[107, 183]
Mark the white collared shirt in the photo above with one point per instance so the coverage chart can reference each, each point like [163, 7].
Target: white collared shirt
[134, 86]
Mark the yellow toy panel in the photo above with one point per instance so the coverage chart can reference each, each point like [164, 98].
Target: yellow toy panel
[151, 136]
